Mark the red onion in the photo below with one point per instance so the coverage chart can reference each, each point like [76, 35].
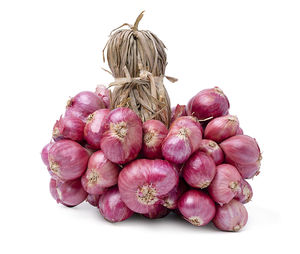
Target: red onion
[68, 127]
[199, 170]
[69, 193]
[84, 104]
[178, 111]
[241, 149]
[197, 207]
[221, 128]
[104, 94]
[94, 126]
[208, 103]
[245, 193]
[143, 183]
[212, 149]
[122, 136]
[225, 185]
[247, 171]
[101, 174]
[231, 217]
[93, 199]
[183, 139]
[171, 199]
[157, 211]
[178, 168]
[240, 131]
[67, 159]
[112, 207]
[154, 133]
[44, 154]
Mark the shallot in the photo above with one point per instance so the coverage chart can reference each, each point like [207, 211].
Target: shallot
[100, 174]
[178, 111]
[112, 207]
[69, 193]
[225, 185]
[94, 127]
[197, 207]
[45, 152]
[171, 199]
[144, 183]
[244, 193]
[67, 159]
[84, 104]
[156, 212]
[183, 139]
[154, 133]
[122, 136]
[208, 103]
[104, 94]
[212, 149]
[199, 170]
[93, 199]
[221, 128]
[231, 217]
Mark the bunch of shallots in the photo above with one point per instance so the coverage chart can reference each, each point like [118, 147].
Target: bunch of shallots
[196, 168]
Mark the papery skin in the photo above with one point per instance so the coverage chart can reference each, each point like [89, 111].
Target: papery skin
[178, 111]
[199, 170]
[112, 207]
[171, 199]
[156, 177]
[94, 127]
[231, 217]
[103, 92]
[221, 128]
[225, 184]
[69, 193]
[245, 193]
[100, 174]
[45, 152]
[197, 207]
[212, 149]
[208, 103]
[184, 137]
[93, 199]
[122, 145]
[154, 132]
[241, 149]
[247, 171]
[240, 131]
[83, 104]
[68, 127]
[67, 159]
[157, 212]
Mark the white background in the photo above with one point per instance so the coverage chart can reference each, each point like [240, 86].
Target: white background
[50, 50]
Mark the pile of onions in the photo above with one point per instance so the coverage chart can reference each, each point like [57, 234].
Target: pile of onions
[196, 168]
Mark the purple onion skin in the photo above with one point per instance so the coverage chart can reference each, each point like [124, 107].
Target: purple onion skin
[178, 111]
[68, 127]
[240, 131]
[212, 149]
[45, 152]
[231, 217]
[122, 136]
[112, 207]
[247, 171]
[67, 159]
[103, 93]
[197, 207]
[100, 174]
[221, 128]
[156, 212]
[241, 149]
[208, 103]
[245, 193]
[69, 193]
[93, 199]
[199, 170]
[225, 184]
[184, 137]
[84, 104]
[94, 127]
[144, 183]
[154, 132]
